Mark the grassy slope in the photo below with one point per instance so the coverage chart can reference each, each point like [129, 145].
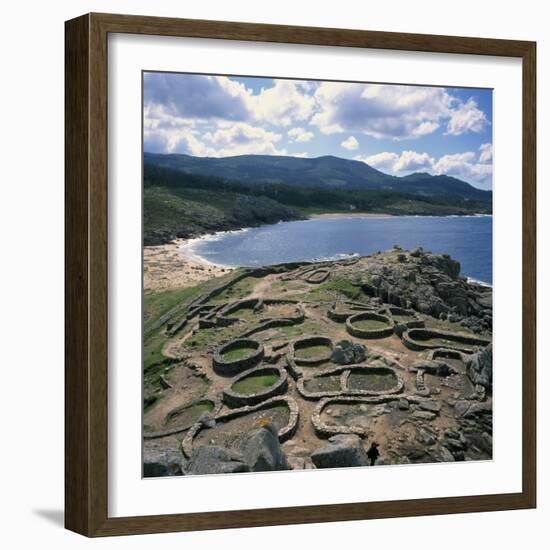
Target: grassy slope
[170, 213]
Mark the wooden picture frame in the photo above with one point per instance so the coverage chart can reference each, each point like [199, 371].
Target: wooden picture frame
[86, 283]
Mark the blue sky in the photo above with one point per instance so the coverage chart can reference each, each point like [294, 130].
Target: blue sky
[394, 128]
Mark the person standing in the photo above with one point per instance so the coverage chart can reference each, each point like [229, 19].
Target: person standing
[373, 453]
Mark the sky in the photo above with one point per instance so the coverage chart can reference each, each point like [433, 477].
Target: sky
[397, 129]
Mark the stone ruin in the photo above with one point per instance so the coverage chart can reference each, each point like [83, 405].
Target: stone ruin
[384, 367]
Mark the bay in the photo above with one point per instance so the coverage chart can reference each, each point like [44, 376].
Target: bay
[468, 239]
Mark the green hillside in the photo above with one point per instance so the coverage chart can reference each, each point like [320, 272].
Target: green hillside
[171, 212]
[178, 204]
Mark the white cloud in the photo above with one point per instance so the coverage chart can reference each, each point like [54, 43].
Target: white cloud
[163, 133]
[461, 165]
[380, 111]
[176, 140]
[351, 143]
[405, 162]
[299, 135]
[411, 161]
[196, 96]
[283, 104]
[238, 138]
[466, 118]
[486, 154]
[393, 112]
[242, 139]
[218, 116]
[383, 161]
[464, 166]
[205, 98]
[425, 128]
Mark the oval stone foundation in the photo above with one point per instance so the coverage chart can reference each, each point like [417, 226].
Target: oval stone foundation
[188, 414]
[372, 380]
[423, 338]
[282, 412]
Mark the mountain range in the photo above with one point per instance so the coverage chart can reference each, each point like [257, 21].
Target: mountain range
[328, 172]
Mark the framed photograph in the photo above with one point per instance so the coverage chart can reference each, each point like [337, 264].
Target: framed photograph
[300, 275]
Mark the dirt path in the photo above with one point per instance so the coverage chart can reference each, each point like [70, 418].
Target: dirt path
[263, 287]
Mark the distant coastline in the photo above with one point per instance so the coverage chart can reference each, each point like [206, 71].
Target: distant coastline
[337, 215]
[372, 215]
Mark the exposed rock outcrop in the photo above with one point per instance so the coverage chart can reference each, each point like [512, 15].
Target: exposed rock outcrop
[262, 451]
[343, 451]
[210, 459]
[256, 451]
[480, 367]
[158, 461]
[428, 283]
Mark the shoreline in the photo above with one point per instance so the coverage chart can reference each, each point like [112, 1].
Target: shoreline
[176, 265]
[170, 266]
[339, 215]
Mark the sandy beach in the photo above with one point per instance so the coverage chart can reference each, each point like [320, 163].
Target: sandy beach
[167, 266]
[336, 215]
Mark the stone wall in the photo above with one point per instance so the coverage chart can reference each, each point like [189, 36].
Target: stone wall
[224, 367]
[345, 390]
[369, 334]
[408, 338]
[234, 399]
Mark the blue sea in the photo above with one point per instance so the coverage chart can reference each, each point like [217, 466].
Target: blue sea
[468, 239]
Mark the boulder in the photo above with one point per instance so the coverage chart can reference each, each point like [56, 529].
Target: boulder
[261, 450]
[348, 353]
[403, 404]
[207, 420]
[160, 462]
[479, 408]
[296, 463]
[210, 459]
[461, 407]
[441, 454]
[425, 437]
[343, 451]
[432, 406]
[479, 367]
[423, 415]
[300, 463]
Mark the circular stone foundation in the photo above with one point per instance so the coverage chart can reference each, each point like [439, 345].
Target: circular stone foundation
[236, 356]
[311, 351]
[255, 385]
[369, 325]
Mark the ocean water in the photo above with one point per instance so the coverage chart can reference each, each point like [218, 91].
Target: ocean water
[468, 239]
